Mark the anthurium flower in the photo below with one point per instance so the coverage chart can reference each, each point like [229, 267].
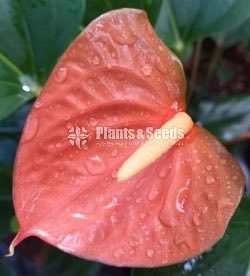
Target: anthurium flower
[168, 205]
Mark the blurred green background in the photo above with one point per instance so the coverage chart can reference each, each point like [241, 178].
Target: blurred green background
[212, 39]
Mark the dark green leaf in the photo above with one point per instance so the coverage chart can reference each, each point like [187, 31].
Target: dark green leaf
[226, 117]
[4, 271]
[52, 25]
[182, 22]
[15, 41]
[5, 200]
[63, 264]
[97, 7]
[33, 35]
[239, 34]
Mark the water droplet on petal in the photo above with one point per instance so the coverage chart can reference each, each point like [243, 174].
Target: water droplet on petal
[210, 179]
[114, 153]
[126, 37]
[162, 173]
[160, 66]
[222, 161]
[119, 253]
[146, 70]
[93, 122]
[115, 119]
[114, 174]
[96, 60]
[38, 104]
[183, 196]
[95, 165]
[161, 48]
[150, 253]
[142, 215]
[174, 105]
[31, 128]
[131, 252]
[153, 193]
[60, 75]
[138, 200]
[209, 167]
[196, 219]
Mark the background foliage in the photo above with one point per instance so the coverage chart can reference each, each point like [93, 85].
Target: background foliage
[33, 34]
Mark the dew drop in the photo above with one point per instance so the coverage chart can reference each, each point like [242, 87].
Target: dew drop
[89, 207]
[31, 128]
[119, 253]
[142, 215]
[222, 161]
[209, 167]
[174, 105]
[150, 253]
[161, 48]
[114, 153]
[38, 104]
[210, 179]
[183, 196]
[131, 252]
[126, 37]
[196, 219]
[96, 60]
[153, 194]
[138, 200]
[146, 70]
[60, 75]
[95, 165]
[132, 242]
[160, 66]
[115, 119]
[162, 173]
[93, 122]
[28, 84]
[114, 174]
[58, 145]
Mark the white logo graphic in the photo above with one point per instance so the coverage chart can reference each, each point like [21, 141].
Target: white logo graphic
[78, 136]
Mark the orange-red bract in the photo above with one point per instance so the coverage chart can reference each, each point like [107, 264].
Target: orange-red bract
[119, 74]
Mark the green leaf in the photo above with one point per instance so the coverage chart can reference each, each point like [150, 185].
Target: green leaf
[15, 42]
[4, 270]
[239, 34]
[96, 7]
[230, 256]
[225, 117]
[5, 200]
[52, 25]
[33, 35]
[60, 263]
[184, 21]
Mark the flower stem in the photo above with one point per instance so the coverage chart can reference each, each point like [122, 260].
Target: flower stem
[179, 46]
[195, 67]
